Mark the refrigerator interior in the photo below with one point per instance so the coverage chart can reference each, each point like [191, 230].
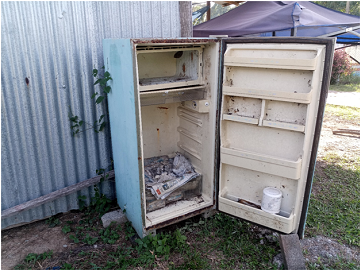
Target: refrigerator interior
[178, 96]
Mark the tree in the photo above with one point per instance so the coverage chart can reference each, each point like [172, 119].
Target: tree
[216, 10]
[341, 6]
[341, 66]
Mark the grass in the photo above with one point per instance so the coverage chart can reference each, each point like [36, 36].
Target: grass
[339, 264]
[219, 242]
[346, 87]
[335, 210]
[346, 113]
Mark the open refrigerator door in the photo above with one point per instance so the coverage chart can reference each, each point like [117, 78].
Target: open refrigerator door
[269, 115]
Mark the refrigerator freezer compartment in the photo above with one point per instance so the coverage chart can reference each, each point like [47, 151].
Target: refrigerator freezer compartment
[166, 96]
[174, 67]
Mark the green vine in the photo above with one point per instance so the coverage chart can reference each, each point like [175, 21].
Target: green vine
[76, 124]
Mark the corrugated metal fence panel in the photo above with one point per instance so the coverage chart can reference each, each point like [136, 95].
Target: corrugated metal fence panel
[56, 45]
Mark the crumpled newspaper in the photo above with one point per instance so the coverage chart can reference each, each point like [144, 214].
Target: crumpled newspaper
[163, 174]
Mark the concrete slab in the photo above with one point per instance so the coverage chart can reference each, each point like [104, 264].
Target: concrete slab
[292, 252]
[116, 216]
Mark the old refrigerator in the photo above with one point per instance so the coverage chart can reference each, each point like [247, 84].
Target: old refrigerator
[246, 112]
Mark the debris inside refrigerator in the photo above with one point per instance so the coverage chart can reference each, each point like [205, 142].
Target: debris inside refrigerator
[169, 179]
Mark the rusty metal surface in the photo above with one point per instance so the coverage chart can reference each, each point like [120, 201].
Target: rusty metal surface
[48, 50]
[165, 41]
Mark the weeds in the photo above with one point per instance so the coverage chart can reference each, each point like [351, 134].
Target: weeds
[32, 258]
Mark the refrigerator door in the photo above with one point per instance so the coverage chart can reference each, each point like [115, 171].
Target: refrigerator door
[273, 98]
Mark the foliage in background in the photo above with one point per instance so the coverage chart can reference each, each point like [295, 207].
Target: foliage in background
[216, 10]
[341, 6]
[341, 66]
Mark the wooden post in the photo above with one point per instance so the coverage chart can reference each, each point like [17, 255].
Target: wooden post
[209, 10]
[185, 15]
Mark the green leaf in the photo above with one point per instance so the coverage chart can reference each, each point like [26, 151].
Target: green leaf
[95, 72]
[100, 99]
[74, 119]
[106, 74]
[102, 126]
[103, 67]
[97, 82]
[101, 117]
[103, 82]
[81, 123]
[107, 89]
[95, 94]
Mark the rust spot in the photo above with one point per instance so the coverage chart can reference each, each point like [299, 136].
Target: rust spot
[139, 158]
[184, 67]
[283, 186]
[158, 129]
[27, 81]
[192, 41]
[162, 107]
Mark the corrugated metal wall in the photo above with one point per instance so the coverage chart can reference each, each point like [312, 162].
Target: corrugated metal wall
[56, 45]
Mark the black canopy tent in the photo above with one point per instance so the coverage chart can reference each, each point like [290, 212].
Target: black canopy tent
[282, 18]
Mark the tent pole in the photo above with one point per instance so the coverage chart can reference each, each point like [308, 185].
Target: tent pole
[209, 10]
[294, 32]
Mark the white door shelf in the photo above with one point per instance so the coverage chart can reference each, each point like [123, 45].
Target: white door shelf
[240, 119]
[284, 125]
[275, 58]
[262, 163]
[268, 94]
[293, 64]
[258, 216]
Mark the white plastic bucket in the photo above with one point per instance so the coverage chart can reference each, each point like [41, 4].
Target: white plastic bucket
[271, 200]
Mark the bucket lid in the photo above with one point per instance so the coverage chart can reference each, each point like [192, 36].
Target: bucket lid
[272, 192]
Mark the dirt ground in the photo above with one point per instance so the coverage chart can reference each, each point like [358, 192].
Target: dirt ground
[38, 237]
